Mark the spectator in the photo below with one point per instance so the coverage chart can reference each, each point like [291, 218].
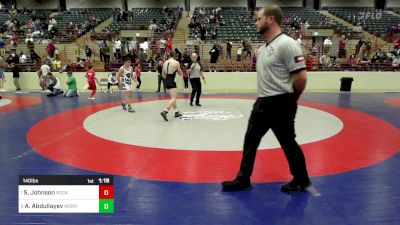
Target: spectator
[28, 38]
[229, 50]
[88, 53]
[169, 45]
[374, 62]
[163, 44]
[239, 52]
[325, 61]
[309, 63]
[2, 76]
[352, 62]
[178, 55]
[144, 46]
[57, 63]
[132, 55]
[360, 43]
[214, 52]
[51, 49]
[14, 39]
[358, 30]
[299, 39]
[247, 46]
[151, 62]
[22, 58]
[2, 45]
[30, 45]
[117, 45]
[131, 45]
[381, 55]
[185, 76]
[79, 63]
[138, 72]
[142, 57]
[396, 62]
[305, 25]
[101, 49]
[13, 62]
[186, 57]
[342, 46]
[396, 43]
[327, 45]
[189, 43]
[112, 80]
[35, 57]
[42, 73]
[54, 85]
[160, 78]
[106, 54]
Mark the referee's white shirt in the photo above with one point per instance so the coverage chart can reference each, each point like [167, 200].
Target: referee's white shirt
[276, 62]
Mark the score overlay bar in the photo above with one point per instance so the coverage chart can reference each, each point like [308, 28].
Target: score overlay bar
[66, 194]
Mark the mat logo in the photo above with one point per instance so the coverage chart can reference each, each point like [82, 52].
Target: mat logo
[206, 114]
[375, 15]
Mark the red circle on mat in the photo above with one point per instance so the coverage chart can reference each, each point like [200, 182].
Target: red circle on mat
[365, 140]
[393, 101]
[20, 102]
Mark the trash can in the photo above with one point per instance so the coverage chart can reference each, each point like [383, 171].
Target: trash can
[345, 84]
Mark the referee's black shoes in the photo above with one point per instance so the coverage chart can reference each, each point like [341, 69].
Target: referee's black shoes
[245, 184]
[236, 185]
[294, 186]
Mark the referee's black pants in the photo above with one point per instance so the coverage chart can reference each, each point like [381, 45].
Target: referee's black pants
[278, 113]
[196, 89]
[161, 80]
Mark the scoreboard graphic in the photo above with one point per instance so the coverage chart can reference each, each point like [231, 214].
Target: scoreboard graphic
[66, 194]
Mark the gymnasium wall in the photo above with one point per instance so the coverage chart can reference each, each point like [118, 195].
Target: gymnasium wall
[347, 3]
[53, 4]
[155, 3]
[281, 3]
[241, 81]
[93, 4]
[393, 3]
[37, 4]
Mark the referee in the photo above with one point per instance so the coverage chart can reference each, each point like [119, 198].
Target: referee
[196, 71]
[281, 78]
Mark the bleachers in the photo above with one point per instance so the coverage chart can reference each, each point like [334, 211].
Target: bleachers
[372, 20]
[22, 18]
[84, 15]
[141, 18]
[239, 22]
[395, 10]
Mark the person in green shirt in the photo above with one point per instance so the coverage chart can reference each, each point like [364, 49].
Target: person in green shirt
[72, 89]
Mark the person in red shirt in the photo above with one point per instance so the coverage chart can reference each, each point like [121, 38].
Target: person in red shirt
[92, 80]
[138, 72]
[342, 46]
[309, 63]
[169, 45]
[396, 43]
[51, 48]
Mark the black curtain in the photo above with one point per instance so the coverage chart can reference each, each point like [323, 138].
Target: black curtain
[62, 5]
[251, 5]
[380, 4]
[187, 5]
[124, 4]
